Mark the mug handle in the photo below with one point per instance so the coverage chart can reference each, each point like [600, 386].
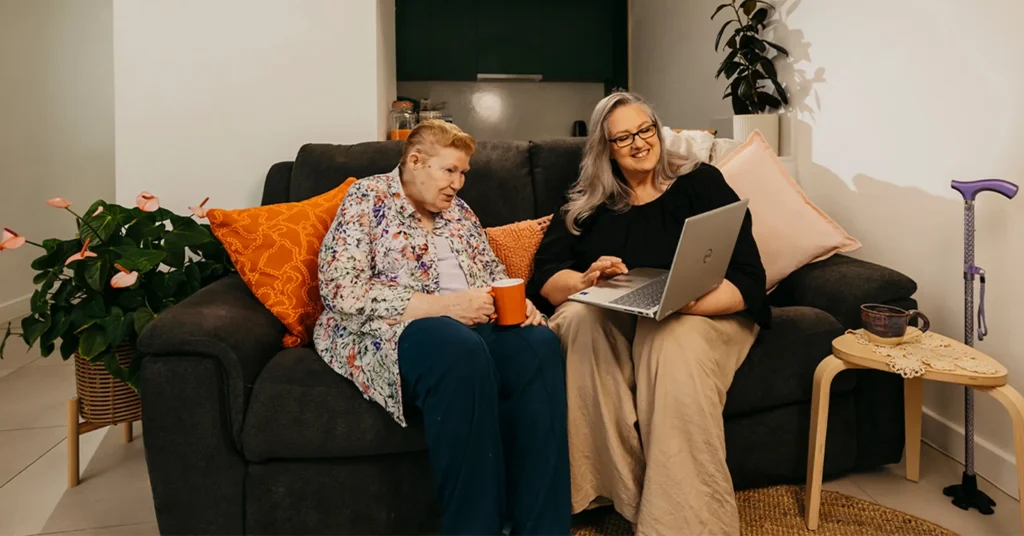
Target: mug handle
[494, 315]
[924, 319]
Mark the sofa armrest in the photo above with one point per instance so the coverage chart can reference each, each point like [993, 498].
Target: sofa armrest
[840, 284]
[223, 321]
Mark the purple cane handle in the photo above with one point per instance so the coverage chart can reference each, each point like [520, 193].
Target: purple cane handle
[971, 189]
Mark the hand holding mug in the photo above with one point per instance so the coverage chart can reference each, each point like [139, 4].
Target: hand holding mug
[470, 307]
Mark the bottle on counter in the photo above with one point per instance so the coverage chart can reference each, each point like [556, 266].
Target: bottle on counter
[401, 120]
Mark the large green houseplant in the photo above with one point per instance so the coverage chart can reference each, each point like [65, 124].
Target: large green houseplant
[754, 87]
[97, 291]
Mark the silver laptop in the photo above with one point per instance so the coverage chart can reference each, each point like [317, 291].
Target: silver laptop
[702, 255]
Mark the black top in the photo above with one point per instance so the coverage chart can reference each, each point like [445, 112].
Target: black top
[646, 236]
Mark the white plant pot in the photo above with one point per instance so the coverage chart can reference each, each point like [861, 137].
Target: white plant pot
[768, 124]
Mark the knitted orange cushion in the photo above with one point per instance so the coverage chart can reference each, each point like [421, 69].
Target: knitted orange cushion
[276, 249]
[515, 244]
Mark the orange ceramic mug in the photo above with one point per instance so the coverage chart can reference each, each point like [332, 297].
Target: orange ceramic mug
[509, 301]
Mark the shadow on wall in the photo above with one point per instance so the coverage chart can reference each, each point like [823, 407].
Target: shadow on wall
[888, 220]
[799, 84]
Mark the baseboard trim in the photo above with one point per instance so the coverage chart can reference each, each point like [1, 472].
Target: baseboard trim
[14, 309]
[990, 462]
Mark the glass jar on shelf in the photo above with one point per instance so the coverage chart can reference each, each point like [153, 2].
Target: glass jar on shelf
[430, 114]
[401, 120]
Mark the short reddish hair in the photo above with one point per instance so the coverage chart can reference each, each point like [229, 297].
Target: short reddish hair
[437, 133]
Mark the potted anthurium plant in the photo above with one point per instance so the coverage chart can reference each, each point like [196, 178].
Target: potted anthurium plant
[97, 291]
[754, 86]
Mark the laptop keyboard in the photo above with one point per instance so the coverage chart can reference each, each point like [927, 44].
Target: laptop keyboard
[645, 297]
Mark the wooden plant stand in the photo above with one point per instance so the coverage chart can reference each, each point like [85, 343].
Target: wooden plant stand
[102, 401]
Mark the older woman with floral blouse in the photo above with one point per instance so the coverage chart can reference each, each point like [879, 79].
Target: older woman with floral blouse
[405, 272]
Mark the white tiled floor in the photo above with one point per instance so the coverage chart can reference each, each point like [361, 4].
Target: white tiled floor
[114, 498]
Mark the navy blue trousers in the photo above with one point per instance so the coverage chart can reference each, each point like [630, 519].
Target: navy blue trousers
[494, 410]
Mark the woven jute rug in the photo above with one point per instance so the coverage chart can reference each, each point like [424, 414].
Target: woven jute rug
[778, 511]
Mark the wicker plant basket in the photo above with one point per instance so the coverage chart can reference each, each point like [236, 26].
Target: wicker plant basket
[104, 400]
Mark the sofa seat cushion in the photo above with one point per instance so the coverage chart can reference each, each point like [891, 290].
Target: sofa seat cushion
[302, 408]
[779, 370]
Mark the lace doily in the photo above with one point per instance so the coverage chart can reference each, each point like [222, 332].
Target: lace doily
[914, 357]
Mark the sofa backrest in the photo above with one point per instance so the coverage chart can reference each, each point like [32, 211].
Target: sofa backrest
[508, 181]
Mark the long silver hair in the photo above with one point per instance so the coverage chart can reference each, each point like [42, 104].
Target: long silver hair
[598, 182]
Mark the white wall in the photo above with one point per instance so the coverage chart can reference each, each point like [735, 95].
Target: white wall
[210, 94]
[386, 64]
[671, 58]
[892, 101]
[56, 125]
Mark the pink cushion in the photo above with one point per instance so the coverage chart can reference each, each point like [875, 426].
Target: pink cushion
[790, 231]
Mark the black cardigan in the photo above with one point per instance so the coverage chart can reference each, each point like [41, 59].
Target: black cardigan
[646, 236]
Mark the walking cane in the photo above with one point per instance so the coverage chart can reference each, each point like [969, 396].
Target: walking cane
[966, 494]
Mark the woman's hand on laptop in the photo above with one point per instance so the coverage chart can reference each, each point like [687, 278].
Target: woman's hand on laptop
[603, 268]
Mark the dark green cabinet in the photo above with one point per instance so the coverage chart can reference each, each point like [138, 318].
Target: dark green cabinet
[578, 37]
[560, 40]
[435, 39]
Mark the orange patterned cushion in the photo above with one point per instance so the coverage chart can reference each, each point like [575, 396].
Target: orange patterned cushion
[515, 244]
[276, 250]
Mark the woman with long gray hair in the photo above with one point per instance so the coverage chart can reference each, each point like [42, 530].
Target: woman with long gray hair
[645, 398]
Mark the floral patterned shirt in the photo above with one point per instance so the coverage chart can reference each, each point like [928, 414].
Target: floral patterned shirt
[374, 257]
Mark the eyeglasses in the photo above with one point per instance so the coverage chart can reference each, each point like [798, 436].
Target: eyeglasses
[626, 140]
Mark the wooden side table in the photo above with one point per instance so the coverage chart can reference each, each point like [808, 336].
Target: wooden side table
[847, 353]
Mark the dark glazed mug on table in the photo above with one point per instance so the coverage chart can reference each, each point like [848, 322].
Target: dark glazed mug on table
[886, 324]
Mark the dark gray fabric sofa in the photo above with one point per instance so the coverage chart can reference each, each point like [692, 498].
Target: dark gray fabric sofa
[244, 437]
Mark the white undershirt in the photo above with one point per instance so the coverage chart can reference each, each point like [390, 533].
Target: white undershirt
[450, 272]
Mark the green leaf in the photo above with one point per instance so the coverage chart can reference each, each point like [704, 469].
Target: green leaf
[32, 328]
[105, 224]
[68, 345]
[132, 299]
[768, 67]
[140, 260]
[189, 234]
[768, 99]
[748, 6]
[46, 348]
[731, 43]
[40, 277]
[165, 284]
[94, 340]
[778, 48]
[193, 279]
[751, 41]
[3, 343]
[61, 297]
[759, 16]
[142, 319]
[59, 322]
[114, 368]
[721, 32]
[57, 251]
[780, 91]
[732, 67]
[175, 252]
[720, 8]
[115, 326]
[39, 303]
[96, 273]
[93, 306]
[144, 226]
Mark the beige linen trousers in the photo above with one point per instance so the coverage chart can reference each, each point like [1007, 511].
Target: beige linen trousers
[645, 402]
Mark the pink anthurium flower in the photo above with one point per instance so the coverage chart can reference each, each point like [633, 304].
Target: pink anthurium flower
[199, 211]
[99, 210]
[124, 278]
[85, 253]
[147, 202]
[11, 240]
[58, 202]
